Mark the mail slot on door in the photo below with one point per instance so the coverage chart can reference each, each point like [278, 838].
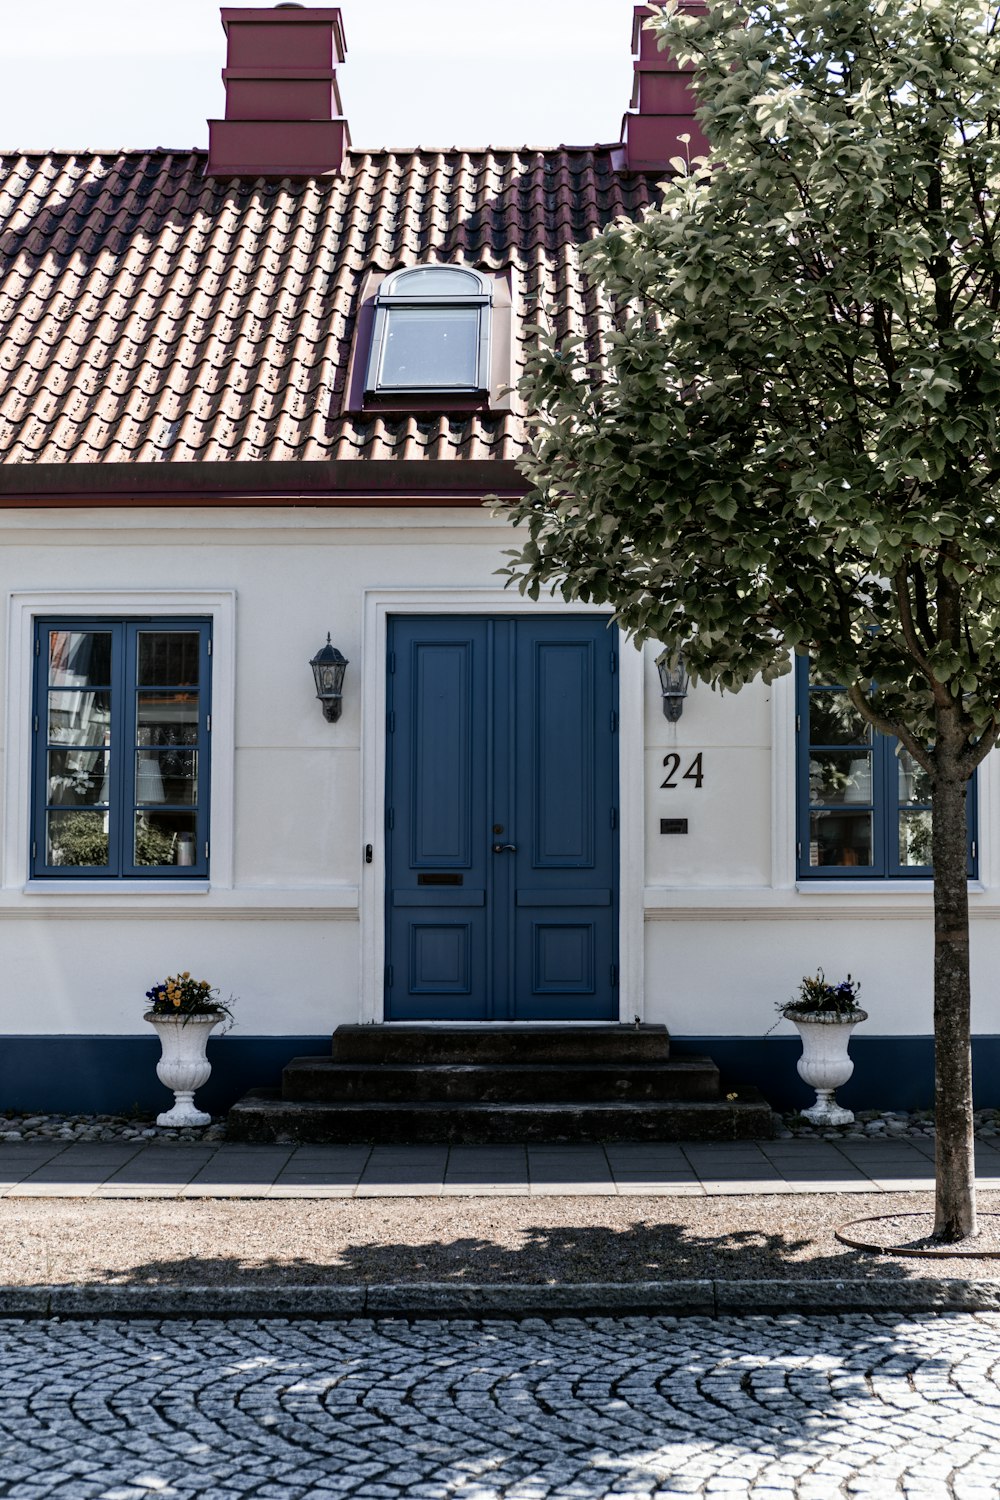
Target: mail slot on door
[437, 878]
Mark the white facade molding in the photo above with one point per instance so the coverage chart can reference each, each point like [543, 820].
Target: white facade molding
[24, 607]
[103, 900]
[379, 604]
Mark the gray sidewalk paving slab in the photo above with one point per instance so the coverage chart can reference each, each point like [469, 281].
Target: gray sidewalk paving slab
[345, 1158]
[287, 1176]
[232, 1169]
[52, 1190]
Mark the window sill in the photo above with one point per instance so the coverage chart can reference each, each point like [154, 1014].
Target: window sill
[116, 887]
[923, 886]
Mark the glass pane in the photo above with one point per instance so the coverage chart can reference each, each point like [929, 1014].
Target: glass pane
[436, 281]
[79, 718]
[77, 778]
[169, 658]
[167, 719]
[77, 838]
[915, 838]
[79, 658]
[840, 776]
[164, 838]
[914, 782]
[833, 720]
[840, 839]
[166, 776]
[430, 346]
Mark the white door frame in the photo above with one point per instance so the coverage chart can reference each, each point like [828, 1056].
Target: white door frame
[379, 604]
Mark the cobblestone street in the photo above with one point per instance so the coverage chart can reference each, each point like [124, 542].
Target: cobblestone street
[784, 1408]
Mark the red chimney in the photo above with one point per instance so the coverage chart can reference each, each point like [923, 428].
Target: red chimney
[283, 112]
[663, 102]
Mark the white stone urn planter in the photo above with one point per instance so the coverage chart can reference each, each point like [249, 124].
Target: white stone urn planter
[825, 1064]
[183, 1065]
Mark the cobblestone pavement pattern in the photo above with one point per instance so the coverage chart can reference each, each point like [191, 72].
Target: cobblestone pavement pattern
[784, 1408]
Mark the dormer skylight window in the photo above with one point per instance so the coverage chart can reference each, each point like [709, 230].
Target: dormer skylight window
[431, 332]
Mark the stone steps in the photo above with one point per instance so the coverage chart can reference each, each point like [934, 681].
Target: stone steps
[321, 1079]
[264, 1116]
[503, 1084]
[530, 1043]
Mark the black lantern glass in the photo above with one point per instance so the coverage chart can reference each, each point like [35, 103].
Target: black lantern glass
[673, 685]
[328, 667]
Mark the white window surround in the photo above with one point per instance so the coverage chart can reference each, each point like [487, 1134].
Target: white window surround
[24, 607]
[379, 604]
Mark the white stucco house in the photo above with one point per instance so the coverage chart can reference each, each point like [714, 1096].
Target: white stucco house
[254, 396]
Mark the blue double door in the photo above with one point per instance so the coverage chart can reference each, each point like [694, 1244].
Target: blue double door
[501, 819]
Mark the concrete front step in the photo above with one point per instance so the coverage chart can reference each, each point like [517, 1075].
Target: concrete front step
[321, 1080]
[532, 1042]
[265, 1116]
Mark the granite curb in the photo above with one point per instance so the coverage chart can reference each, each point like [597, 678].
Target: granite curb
[687, 1298]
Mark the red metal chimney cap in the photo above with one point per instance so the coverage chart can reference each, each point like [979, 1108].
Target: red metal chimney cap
[291, 15]
[645, 44]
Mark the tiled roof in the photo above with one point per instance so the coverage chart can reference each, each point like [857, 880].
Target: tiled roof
[150, 316]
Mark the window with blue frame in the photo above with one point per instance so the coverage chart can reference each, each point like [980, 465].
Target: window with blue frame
[121, 748]
[864, 805]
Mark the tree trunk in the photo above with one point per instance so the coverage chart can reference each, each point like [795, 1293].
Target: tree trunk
[955, 1202]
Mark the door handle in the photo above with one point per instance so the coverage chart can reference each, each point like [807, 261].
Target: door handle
[504, 848]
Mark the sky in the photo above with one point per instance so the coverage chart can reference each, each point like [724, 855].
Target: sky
[145, 73]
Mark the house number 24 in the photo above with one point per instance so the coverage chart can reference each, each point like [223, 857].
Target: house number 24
[694, 772]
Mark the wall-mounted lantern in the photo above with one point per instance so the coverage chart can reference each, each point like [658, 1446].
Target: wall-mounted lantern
[673, 684]
[329, 666]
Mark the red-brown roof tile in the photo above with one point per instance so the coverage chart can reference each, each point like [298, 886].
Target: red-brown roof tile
[152, 316]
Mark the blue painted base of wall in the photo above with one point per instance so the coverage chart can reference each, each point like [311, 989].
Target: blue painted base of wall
[114, 1075]
[117, 1074]
[890, 1072]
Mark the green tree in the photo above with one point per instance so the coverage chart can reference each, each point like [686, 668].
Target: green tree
[788, 434]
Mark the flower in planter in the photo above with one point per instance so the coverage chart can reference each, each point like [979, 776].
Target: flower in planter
[817, 996]
[179, 995]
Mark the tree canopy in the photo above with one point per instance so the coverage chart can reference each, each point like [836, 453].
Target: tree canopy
[789, 436]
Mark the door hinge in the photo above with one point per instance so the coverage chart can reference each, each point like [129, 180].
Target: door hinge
[390, 722]
[614, 721]
[614, 661]
[208, 723]
[798, 723]
[34, 849]
[206, 848]
[973, 849]
[209, 644]
[388, 976]
[36, 723]
[38, 646]
[390, 818]
[614, 817]
[390, 665]
[798, 851]
[614, 974]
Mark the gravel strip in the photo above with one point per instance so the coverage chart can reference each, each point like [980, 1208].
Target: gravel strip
[869, 1124]
[473, 1240]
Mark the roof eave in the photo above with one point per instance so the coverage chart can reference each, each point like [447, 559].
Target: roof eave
[337, 482]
